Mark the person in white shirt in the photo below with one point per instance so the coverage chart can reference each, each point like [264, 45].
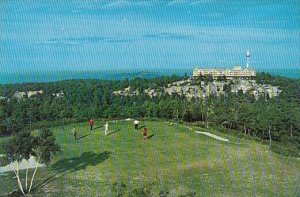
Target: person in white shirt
[106, 128]
[73, 131]
[136, 124]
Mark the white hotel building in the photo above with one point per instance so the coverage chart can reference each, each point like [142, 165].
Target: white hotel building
[236, 72]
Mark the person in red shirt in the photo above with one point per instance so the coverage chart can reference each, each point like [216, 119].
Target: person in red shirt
[145, 133]
[91, 123]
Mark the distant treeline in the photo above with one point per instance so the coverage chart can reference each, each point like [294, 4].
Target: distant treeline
[277, 119]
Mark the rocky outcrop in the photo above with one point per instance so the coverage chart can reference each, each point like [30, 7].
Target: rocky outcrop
[191, 89]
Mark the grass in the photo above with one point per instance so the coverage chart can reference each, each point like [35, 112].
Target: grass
[175, 159]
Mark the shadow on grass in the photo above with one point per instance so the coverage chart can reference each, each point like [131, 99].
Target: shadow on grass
[81, 162]
[97, 128]
[113, 131]
[65, 166]
[150, 136]
[141, 127]
[82, 137]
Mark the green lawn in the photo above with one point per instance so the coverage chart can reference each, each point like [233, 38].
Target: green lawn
[174, 159]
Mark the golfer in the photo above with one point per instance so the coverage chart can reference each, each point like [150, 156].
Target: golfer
[91, 123]
[145, 133]
[74, 133]
[136, 124]
[106, 128]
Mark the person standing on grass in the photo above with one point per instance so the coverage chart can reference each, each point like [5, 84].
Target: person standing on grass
[145, 133]
[91, 123]
[106, 128]
[136, 124]
[74, 133]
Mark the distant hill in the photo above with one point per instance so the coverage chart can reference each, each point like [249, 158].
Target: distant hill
[22, 77]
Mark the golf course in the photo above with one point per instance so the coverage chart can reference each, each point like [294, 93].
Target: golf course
[174, 161]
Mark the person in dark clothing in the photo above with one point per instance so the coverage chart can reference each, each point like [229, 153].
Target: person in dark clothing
[91, 123]
[145, 133]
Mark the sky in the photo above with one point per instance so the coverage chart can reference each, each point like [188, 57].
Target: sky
[88, 35]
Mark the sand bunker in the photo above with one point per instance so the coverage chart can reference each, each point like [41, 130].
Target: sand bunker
[213, 136]
[22, 165]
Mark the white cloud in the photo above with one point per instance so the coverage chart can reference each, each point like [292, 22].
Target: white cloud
[176, 2]
[146, 3]
[119, 3]
[199, 2]
[123, 3]
[188, 2]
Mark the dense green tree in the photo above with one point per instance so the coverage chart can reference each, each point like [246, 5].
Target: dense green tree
[22, 146]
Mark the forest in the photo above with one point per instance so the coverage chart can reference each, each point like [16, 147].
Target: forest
[270, 120]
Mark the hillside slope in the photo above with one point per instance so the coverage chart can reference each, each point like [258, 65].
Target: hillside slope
[175, 160]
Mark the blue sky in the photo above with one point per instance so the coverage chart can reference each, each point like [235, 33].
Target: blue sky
[91, 35]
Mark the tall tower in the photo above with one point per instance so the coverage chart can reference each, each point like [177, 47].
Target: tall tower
[247, 58]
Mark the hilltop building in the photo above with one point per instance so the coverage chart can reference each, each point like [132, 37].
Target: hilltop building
[236, 72]
[20, 95]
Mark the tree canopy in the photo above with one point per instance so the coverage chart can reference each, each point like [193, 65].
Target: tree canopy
[76, 100]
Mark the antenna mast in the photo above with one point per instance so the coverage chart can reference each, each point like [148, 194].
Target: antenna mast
[248, 58]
